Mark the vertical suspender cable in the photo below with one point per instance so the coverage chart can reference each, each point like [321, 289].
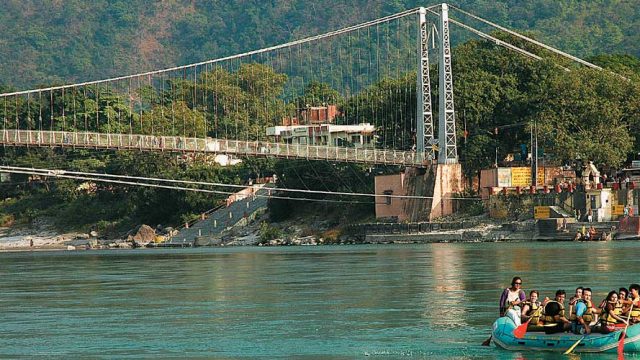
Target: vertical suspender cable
[152, 114]
[4, 121]
[183, 107]
[140, 94]
[106, 110]
[64, 122]
[97, 129]
[130, 111]
[28, 124]
[75, 111]
[173, 108]
[39, 113]
[162, 98]
[194, 103]
[86, 116]
[50, 106]
[17, 125]
[205, 102]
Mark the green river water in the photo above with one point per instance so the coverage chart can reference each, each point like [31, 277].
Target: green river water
[434, 301]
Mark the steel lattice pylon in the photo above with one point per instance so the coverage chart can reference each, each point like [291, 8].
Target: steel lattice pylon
[446, 120]
[424, 126]
[446, 142]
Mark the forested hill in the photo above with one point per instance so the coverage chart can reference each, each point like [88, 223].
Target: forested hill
[73, 40]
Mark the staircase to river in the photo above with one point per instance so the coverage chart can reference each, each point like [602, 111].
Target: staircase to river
[241, 207]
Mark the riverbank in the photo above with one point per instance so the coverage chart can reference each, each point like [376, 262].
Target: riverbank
[297, 232]
[302, 230]
[44, 238]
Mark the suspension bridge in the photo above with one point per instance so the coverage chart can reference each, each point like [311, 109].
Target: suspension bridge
[324, 97]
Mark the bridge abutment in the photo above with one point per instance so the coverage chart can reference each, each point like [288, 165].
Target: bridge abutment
[447, 183]
[429, 189]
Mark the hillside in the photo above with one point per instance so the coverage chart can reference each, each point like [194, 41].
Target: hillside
[43, 42]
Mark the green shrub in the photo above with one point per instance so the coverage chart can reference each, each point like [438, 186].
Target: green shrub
[268, 232]
[7, 220]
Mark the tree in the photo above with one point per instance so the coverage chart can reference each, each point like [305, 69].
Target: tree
[587, 114]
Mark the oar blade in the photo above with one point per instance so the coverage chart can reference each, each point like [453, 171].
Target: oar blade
[621, 346]
[521, 330]
[488, 341]
[569, 350]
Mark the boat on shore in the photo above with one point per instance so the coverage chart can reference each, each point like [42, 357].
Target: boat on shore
[539, 341]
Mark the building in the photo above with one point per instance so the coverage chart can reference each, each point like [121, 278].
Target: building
[315, 125]
[508, 192]
[358, 136]
[518, 178]
[313, 115]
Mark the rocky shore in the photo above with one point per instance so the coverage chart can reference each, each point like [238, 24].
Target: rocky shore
[310, 232]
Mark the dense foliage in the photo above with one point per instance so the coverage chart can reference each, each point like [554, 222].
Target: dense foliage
[61, 41]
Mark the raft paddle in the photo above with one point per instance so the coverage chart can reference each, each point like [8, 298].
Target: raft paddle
[623, 335]
[521, 330]
[488, 341]
[569, 350]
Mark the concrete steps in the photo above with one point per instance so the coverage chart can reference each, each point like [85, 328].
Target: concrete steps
[209, 230]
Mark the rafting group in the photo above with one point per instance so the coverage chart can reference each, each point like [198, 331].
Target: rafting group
[618, 310]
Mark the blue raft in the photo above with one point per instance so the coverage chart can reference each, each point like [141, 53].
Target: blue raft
[539, 341]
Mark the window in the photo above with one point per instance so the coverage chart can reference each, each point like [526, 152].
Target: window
[388, 197]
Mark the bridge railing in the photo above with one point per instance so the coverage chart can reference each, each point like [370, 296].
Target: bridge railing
[208, 145]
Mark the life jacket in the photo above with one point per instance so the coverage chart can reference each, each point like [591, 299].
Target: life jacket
[635, 312]
[587, 316]
[607, 318]
[549, 319]
[534, 313]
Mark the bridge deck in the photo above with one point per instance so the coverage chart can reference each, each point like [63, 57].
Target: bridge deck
[93, 140]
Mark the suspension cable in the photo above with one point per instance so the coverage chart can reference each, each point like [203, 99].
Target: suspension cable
[57, 172]
[231, 57]
[511, 32]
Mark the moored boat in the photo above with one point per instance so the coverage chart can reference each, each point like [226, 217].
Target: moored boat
[539, 341]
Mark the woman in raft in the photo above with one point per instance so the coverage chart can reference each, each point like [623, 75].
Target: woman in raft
[532, 309]
[612, 313]
[511, 300]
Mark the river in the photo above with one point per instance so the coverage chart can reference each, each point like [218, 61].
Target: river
[434, 301]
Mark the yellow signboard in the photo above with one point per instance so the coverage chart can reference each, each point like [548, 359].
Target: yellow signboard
[617, 210]
[520, 176]
[541, 212]
[541, 176]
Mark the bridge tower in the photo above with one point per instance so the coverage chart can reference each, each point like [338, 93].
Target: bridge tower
[424, 127]
[443, 179]
[447, 150]
[448, 153]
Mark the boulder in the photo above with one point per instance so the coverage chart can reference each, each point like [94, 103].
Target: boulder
[144, 234]
[169, 231]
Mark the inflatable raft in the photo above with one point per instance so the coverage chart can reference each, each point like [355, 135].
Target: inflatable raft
[539, 341]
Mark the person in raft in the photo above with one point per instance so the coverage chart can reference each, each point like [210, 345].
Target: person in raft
[554, 314]
[633, 299]
[532, 309]
[612, 313]
[583, 313]
[575, 298]
[511, 299]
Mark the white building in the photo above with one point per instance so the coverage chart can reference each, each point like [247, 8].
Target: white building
[359, 136]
